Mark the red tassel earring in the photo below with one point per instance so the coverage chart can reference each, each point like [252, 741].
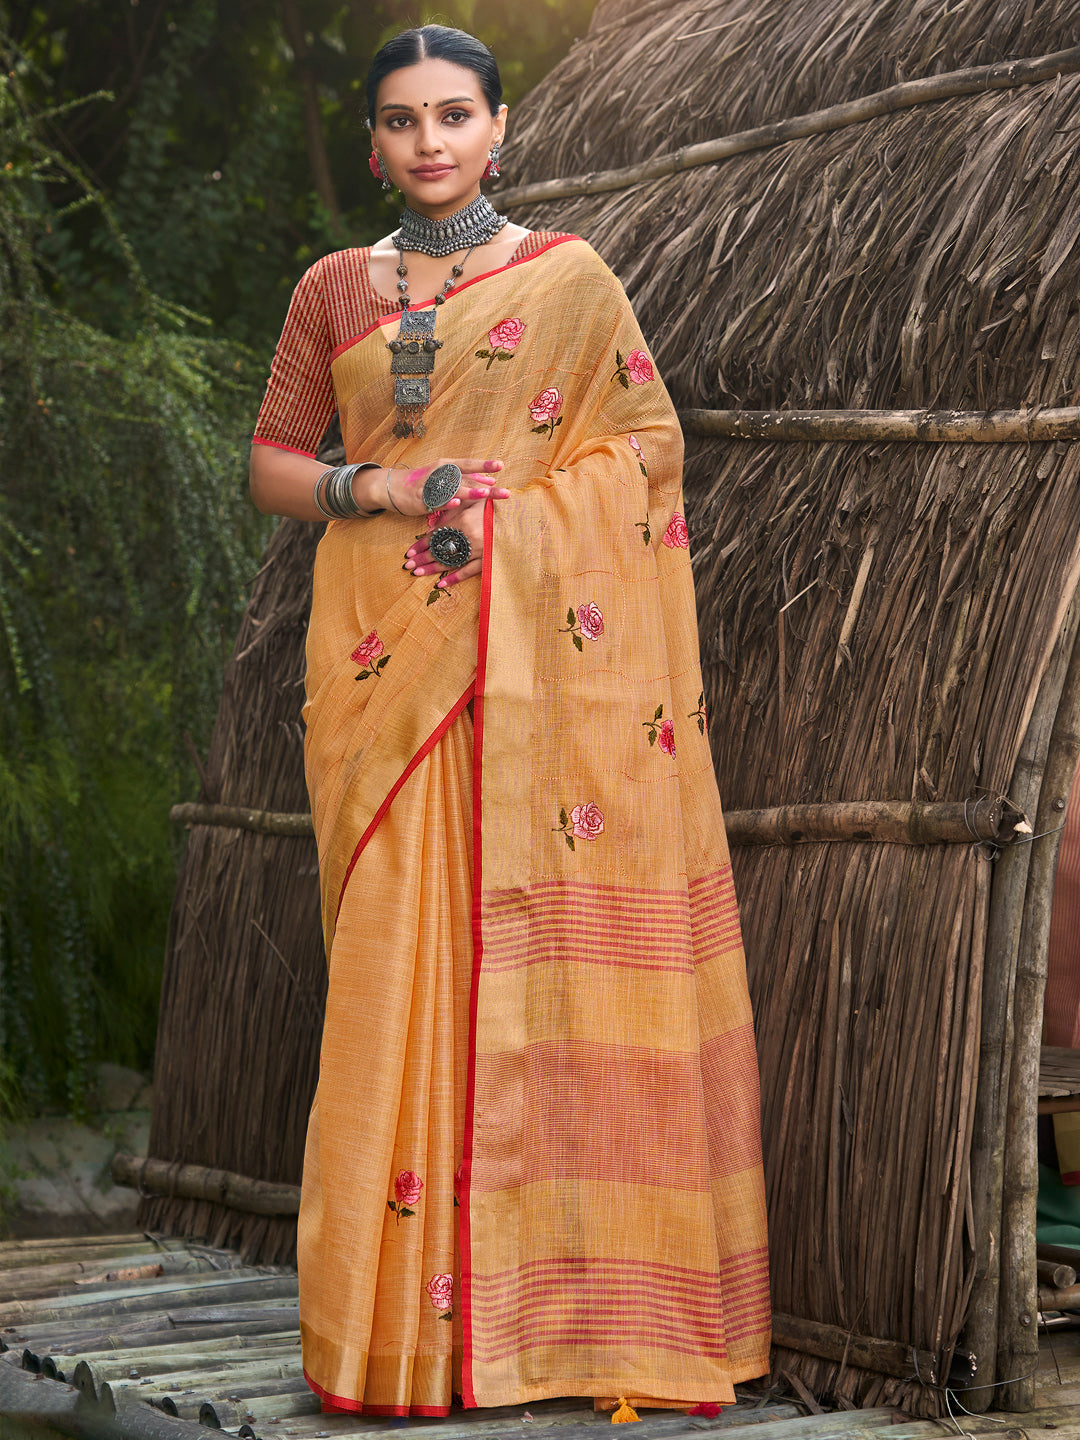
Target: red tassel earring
[375, 165]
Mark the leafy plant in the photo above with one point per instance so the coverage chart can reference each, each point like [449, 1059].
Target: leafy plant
[125, 542]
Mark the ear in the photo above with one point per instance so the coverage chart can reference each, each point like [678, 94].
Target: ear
[498, 124]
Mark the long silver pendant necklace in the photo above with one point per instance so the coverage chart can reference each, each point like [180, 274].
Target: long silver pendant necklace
[413, 349]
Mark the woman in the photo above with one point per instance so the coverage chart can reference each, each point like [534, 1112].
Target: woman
[533, 1161]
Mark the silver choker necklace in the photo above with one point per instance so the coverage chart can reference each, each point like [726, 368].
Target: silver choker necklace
[476, 224]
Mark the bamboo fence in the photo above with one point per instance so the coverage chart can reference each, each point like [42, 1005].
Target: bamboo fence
[885, 603]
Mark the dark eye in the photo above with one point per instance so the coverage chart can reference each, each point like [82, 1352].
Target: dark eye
[393, 124]
[457, 115]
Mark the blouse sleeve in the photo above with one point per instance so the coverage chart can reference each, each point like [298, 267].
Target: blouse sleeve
[299, 400]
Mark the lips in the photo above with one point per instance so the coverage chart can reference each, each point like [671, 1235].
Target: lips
[432, 172]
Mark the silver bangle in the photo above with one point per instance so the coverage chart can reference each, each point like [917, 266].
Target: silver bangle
[334, 496]
[389, 471]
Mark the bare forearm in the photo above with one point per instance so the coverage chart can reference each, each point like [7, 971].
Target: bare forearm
[284, 484]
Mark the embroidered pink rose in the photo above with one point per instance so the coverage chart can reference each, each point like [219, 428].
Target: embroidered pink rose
[639, 366]
[407, 1187]
[666, 737]
[507, 334]
[503, 340]
[635, 444]
[369, 655]
[587, 820]
[546, 406]
[636, 367]
[676, 536]
[370, 648]
[588, 621]
[591, 621]
[440, 1289]
[584, 822]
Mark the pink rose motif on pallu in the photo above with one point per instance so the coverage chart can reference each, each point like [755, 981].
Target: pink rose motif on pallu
[699, 715]
[636, 367]
[407, 1188]
[585, 822]
[545, 411]
[369, 654]
[661, 731]
[440, 1289]
[503, 340]
[586, 623]
[677, 536]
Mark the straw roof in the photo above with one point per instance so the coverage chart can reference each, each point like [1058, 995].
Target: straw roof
[879, 621]
[876, 619]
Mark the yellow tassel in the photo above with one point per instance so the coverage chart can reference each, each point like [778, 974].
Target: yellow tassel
[624, 1414]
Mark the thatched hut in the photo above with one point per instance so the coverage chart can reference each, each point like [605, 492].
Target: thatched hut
[867, 209]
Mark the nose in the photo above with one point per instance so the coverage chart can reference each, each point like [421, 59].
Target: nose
[428, 140]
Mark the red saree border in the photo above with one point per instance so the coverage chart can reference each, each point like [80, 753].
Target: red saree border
[468, 1394]
[277, 445]
[339, 350]
[425, 749]
[342, 1405]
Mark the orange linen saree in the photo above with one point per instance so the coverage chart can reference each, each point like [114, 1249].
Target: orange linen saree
[533, 1163]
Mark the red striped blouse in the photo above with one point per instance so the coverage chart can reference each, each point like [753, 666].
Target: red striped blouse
[334, 303]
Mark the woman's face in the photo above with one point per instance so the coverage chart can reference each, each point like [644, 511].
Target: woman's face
[434, 129]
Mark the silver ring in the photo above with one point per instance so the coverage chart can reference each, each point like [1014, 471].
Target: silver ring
[441, 486]
[449, 546]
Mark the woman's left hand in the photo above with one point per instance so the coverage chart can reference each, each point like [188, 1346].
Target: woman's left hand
[468, 518]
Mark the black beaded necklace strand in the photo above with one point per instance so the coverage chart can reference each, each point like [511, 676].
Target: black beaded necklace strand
[413, 350]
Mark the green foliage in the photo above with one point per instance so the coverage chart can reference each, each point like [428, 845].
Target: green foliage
[125, 542]
[155, 161]
[205, 150]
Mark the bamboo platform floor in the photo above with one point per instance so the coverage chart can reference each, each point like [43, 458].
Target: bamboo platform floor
[136, 1337]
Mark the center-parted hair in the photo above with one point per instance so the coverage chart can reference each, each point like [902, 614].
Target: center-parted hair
[435, 42]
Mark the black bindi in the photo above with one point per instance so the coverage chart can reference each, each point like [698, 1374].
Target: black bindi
[425, 104]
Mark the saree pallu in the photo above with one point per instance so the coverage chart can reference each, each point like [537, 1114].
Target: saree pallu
[533, 1164]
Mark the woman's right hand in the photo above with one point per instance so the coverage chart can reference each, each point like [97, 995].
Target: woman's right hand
[406, 486]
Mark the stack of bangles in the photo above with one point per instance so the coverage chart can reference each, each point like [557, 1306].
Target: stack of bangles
[334, 498]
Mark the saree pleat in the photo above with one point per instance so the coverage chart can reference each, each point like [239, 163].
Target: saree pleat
[400, 971]
[537, 987]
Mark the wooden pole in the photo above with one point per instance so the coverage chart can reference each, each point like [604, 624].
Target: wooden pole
[198, 1182]
[996, 1033]
[985, 818]
[1005, 75]
[1018, 1340]
[1054, 1275]
[830, 1342]
[992, 427]
[240, 817]
[901, 822]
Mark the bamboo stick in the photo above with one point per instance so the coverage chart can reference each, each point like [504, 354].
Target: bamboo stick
[159, 1330]
[1000, 427]
[91, 1252]
[1052, 1298]
[1064, 1254]
[196, 1182]
[1018, 1340]
[996, 1034]
[238, 817]
[830, 1342]
[975, 80]
[46, 1406]
[135, 1301]
[898, 822]
[1055, 1275]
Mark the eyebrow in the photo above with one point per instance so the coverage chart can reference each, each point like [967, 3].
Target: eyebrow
[456, 100]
